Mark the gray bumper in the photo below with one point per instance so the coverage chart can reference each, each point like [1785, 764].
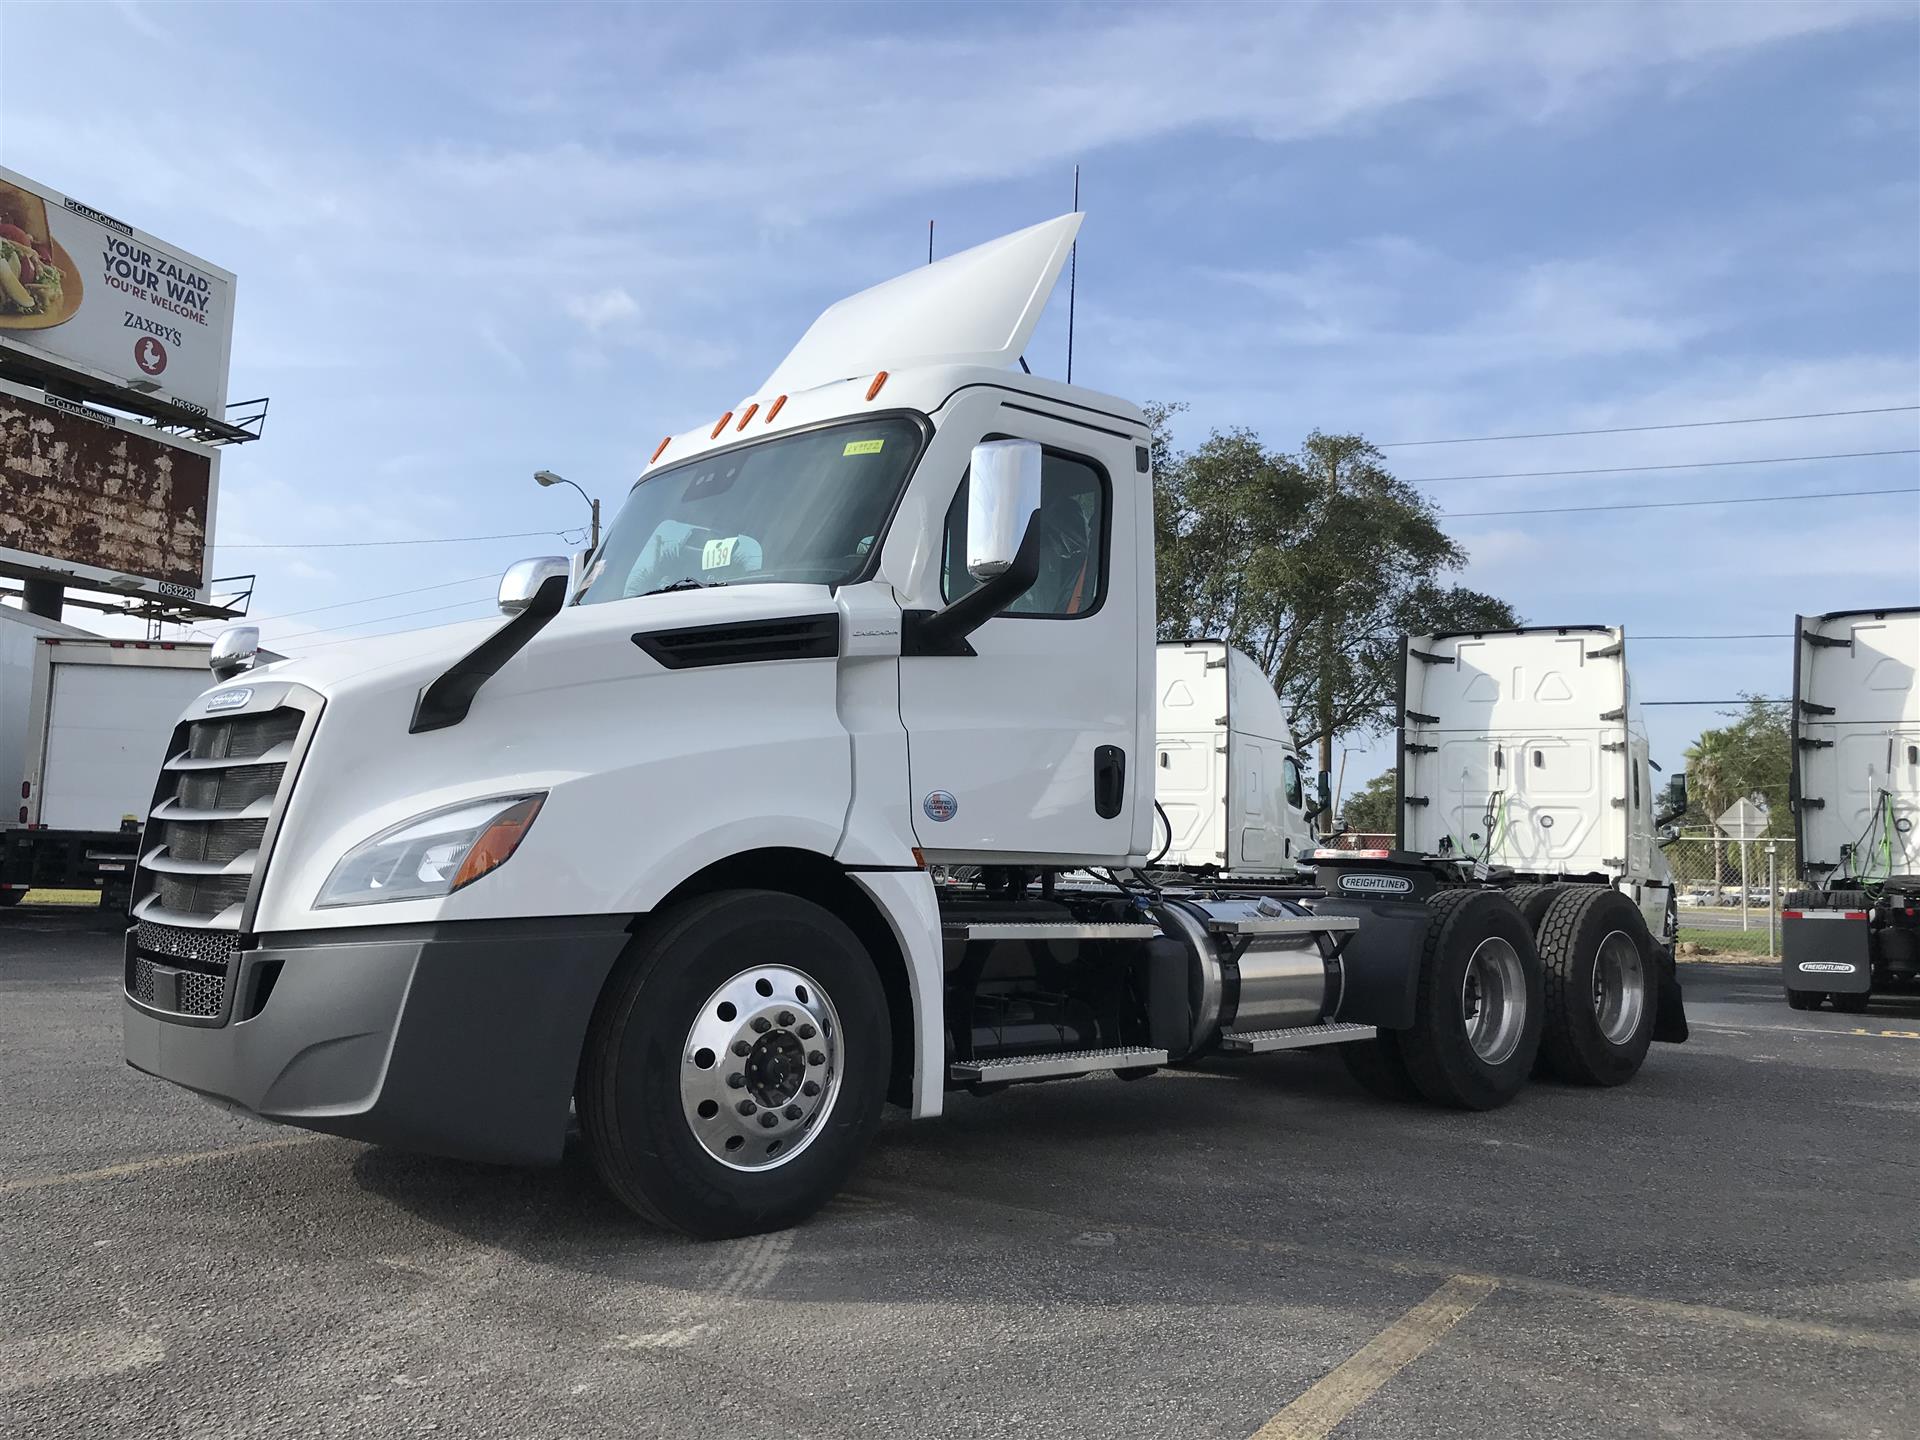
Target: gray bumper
[459, 1039]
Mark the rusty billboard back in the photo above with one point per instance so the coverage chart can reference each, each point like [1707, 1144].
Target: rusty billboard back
[92, 498]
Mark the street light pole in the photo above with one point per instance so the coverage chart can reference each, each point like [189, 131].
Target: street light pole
[545, 478]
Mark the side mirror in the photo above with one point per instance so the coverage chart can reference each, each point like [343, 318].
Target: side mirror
[1677, 794]
[1003, 548]
[525, 577]
[1002, 495]
[234, 650]
[1322, 800]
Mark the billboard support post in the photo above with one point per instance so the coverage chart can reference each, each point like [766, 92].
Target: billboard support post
[45, 598]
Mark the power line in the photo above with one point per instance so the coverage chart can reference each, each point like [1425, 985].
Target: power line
[1676, 504]
[1743, 700]
[1630, 429]
[380, 619]
[1689, 465]
[1755, 635]
[369, 599]
[436, 540]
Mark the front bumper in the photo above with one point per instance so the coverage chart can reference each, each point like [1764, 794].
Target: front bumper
[458, 1039]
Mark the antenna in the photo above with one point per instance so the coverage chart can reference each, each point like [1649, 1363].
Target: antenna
[1073, 276]
[929, 242]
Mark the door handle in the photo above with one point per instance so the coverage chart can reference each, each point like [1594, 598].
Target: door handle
[1109, 780]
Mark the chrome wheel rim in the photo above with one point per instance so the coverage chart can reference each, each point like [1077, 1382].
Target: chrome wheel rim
[761, 1070]
[1619, 987]
[1493, 1000]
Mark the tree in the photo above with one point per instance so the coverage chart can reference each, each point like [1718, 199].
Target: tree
[1747, 759]
[1369, 810]
[1313, 563]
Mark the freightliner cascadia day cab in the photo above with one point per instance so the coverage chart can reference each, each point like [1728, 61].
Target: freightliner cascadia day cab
[660, 849]
[1523, 766]
[1855, 793]
[83, 721]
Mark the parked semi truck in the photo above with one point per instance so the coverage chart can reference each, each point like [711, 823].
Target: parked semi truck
[1523, 766]
[83, 721]
[1855, 793]
[659, 849]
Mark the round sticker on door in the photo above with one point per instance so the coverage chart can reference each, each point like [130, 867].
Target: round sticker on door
[1546, 822]
[939, 805]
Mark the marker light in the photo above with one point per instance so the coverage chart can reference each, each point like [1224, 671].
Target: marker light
[720, 425]
[878, 381]
[746, 415]
[774, 409]
[660, 449]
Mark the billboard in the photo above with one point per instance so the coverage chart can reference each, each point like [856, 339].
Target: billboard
[104, 301]
[90, 497]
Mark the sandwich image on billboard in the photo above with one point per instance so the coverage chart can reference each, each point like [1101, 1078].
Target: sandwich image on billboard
[88, 293]
[89, 496]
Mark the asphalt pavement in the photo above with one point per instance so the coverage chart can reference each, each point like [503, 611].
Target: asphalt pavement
[1725, 1247]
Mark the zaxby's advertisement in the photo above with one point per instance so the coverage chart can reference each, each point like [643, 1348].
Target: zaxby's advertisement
[87, 292]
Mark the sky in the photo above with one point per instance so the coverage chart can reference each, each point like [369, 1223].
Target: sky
[477, 241]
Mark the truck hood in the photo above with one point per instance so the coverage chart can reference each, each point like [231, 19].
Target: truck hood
[411, 658]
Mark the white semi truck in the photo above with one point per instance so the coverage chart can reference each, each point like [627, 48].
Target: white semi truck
[1855, 795]
[660, 849]
[83, 721]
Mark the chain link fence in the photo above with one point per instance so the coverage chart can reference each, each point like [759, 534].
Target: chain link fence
[1730, 891]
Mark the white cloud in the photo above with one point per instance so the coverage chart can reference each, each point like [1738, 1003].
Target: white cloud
[602, 308]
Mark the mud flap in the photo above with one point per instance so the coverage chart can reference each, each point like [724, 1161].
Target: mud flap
[1670, 1015]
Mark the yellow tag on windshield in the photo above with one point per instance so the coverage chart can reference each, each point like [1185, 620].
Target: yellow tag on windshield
[863, 447]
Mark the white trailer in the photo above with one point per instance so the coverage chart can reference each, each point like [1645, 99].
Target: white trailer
[83, 722]
[660, 848]
[1855, 793]
[1229, 779]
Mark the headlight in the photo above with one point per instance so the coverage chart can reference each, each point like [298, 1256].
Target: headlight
[432, 854]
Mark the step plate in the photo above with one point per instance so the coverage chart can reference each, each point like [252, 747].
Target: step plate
[1299, 1037]
[1285, 925]
[1049, 930]
[1050, 1066]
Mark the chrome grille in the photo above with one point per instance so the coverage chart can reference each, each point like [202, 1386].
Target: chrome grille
[209, 821]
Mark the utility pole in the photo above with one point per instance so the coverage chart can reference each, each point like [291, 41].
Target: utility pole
[1328, 630]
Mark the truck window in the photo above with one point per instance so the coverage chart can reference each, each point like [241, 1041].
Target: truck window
[1073, 543]
[805, 507]
[1290, 776]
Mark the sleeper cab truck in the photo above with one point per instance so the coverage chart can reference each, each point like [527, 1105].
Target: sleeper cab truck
[1853, 929]
[657, 850]
[1523, 766]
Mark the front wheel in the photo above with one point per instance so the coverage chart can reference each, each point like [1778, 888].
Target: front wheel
[1477, 1009]
[736, 1066]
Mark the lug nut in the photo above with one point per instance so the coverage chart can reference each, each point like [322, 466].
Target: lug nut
[805, 1032]
[761, 1024]
[769, 1119]
[811, 1088]
[792, 1112]
[746, 1107]
[736, 1080]
[742, 1049]
[816, 1057]
[786, 1017]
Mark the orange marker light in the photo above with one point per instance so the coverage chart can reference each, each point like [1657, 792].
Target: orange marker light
[498, 841]
[878, 381]
[720, 425]
[746, 415]
[774, 409]
[660, 449]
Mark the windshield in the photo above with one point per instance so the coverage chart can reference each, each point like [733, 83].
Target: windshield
[805, 508]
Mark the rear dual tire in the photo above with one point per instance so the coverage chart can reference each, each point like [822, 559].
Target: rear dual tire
[1602, 992]
[1477, 1010]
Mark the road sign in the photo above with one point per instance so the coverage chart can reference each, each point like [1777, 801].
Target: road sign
[1742, 820]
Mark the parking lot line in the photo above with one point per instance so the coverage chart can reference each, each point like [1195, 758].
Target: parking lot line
[1850, 1034]
[157, 1162]
[1315, 1413]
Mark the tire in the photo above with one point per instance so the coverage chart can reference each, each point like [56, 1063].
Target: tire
[1602, 980]
[1477, 1007]
[1852, 1003]
[10, 898]
[1379, 1068]
[1532, 901]
[1804, 999]
[1848, 900]
[1801, 900]
[701, 980]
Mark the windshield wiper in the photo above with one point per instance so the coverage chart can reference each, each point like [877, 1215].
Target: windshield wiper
[687, 584]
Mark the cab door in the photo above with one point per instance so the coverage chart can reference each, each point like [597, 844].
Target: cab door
[1028, 750]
